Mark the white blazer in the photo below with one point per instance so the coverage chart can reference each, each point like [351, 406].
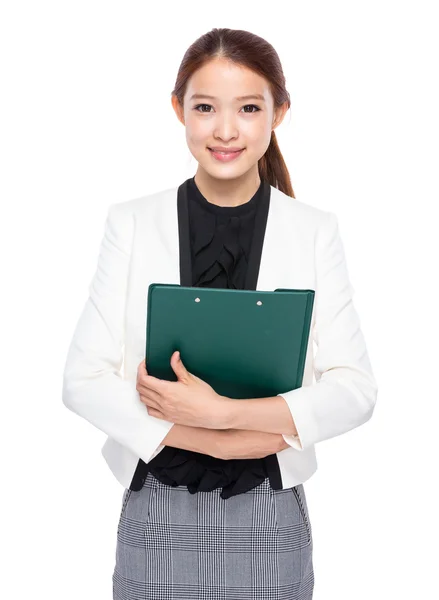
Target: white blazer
[302, 249]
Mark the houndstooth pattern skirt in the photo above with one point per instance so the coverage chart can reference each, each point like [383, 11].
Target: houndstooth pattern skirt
[173, 545]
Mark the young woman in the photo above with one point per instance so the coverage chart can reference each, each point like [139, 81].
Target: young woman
[214, 504]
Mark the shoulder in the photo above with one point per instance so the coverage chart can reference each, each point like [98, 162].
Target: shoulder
[306, 213]
[138, 205]
[122, 216]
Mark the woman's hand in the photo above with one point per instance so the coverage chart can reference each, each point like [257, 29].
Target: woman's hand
[243, 443]
[188, 401]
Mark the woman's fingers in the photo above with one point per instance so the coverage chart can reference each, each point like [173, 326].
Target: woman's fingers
[141, 369]
[147, 394]
[148, 382]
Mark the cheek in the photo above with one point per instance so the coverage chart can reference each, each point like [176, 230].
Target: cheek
[257, 131]
[196, 133]
[262, 130]
[195, 145]
[257, 142]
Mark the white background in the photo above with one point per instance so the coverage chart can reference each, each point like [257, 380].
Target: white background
[86, 121]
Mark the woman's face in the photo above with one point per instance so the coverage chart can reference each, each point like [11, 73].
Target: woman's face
[221, 116]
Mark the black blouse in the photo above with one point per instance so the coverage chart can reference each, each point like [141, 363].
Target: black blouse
[219, 247]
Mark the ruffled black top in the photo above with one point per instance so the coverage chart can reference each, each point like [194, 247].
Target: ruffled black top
[225, 245]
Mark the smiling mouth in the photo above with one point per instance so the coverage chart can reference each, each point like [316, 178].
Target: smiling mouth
[225, 156]
[226, 151]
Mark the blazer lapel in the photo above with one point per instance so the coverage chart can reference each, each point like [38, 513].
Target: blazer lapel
[185, 259]
[275, 270]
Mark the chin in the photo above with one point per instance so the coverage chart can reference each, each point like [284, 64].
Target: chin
[224, 173]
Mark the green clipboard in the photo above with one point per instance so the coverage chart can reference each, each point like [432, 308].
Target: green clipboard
[244, 343]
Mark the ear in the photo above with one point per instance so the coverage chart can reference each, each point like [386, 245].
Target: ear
[177, 108]
[279, 114]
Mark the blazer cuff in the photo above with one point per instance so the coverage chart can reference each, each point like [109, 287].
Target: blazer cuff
[293, 441]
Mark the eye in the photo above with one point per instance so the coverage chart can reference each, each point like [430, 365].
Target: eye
[253, 106]
[198, 106]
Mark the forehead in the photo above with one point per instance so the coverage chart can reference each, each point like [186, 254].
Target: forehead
[223, 80]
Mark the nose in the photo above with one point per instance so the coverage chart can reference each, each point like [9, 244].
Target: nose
[225, 128]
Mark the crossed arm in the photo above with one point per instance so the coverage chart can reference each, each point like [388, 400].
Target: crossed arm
[254, 430]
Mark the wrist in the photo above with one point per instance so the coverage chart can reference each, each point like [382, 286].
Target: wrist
[229, 413]
[217, 442]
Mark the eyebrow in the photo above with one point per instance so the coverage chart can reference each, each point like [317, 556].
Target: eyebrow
[248, 97]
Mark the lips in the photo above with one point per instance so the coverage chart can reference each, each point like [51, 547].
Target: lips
[226, 156]
[226, 150]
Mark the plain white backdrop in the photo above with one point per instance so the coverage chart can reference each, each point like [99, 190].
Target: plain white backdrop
[86, 121]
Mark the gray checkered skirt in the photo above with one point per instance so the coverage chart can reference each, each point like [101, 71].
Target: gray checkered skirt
[173, 545]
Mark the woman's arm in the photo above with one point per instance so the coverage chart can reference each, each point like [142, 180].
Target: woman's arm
[243, 443]
[93, 386]
[225, 443]
[196, 439]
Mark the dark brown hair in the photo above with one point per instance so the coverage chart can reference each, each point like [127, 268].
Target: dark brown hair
[247, 49]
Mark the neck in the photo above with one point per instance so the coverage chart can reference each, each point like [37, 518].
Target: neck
[228, 192]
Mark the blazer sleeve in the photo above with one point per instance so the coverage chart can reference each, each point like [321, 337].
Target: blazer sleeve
[345, 391]
[93, 386]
